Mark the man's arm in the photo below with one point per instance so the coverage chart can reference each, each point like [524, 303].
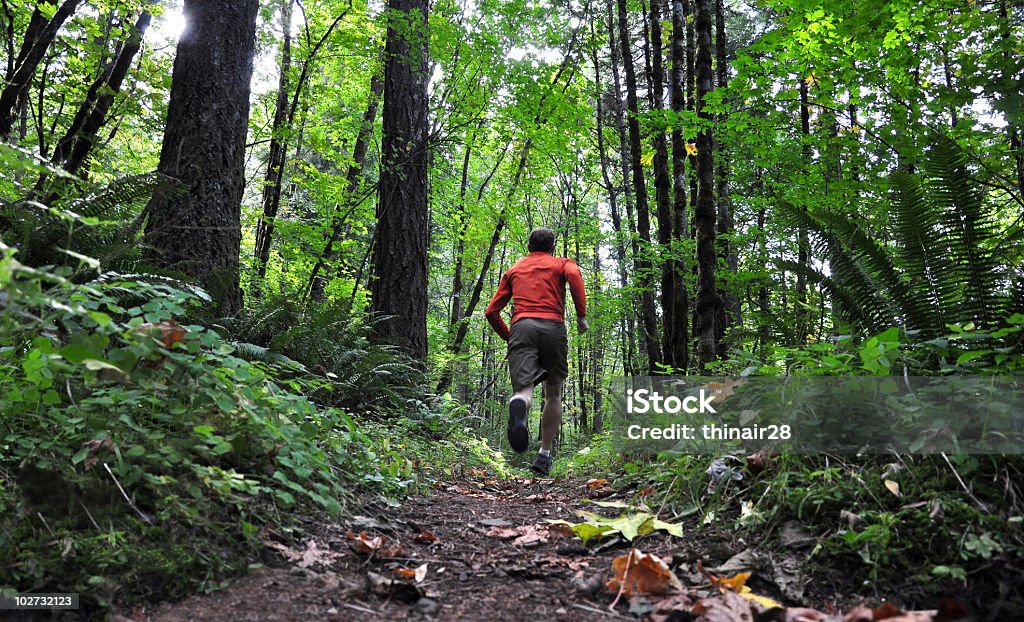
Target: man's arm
[579, 294]
[498, 302]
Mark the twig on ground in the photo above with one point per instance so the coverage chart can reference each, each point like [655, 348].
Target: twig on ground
[46, 524]
[358, 608]
[145, 518]
[622, 584]
[91, 519]
[981, 506]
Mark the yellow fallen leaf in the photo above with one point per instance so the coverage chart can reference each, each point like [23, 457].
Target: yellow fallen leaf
[764, 601]
[737, 581]
[691, 149]
[893, 487]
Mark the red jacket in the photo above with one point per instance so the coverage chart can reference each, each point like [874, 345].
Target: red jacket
[536, 285]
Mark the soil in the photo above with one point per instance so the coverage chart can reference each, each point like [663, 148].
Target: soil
[484, 550]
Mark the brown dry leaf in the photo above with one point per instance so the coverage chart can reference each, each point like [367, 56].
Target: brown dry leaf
[725, 607]
[525, 535]
[674, 607]
[537, 498]
[561, 530]
[425, 535]
[502, 532]
[637, 572]
[391, 549]
[859, 613]
[96, 447]
[759, 462]
[894, 488]
[596, 483]
[803, 614]
[170, 331]
[375, 545]
[721, 390]
[531, 535]
[365, 543]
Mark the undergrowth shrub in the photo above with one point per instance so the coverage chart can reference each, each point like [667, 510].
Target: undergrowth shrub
[327, 339]
[140, 453]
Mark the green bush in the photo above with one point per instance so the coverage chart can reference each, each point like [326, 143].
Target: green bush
[124, 424]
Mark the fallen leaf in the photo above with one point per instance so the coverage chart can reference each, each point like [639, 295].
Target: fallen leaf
[596, 483]
[727, 607]
[893, 487]
[365, 543]
[502, 532]
[736, 582]
[420, 573]
[425, 535]
[170, 332]
[637, 572]
[375, 545]
[95, 448]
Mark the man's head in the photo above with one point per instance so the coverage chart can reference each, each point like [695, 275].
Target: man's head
[542, 239]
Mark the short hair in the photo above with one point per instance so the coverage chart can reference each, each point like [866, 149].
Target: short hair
[542, 239]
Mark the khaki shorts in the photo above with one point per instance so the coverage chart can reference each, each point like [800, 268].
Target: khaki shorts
[538, 350]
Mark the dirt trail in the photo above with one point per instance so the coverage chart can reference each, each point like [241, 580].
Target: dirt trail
[484, 551]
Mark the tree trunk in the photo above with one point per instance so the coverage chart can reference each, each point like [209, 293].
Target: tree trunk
[399, 284]
[649, 319]
[691, 97]
[708, 300]
[199, 233]
[613, 206]
[803, 241]
[273, 179]
[730, 315]
[629, 345]
[678, 330]
[38, 38]
[663, 197]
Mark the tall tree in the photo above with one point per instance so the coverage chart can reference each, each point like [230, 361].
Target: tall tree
[730, 314]
[648, 316]
[272, 181]
[677, 331]
[663, 196]
[708, 300]
[199, 232]
[399, 284]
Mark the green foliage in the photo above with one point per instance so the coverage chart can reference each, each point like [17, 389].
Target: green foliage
[121, 427]
[944, 267]
[326, 340]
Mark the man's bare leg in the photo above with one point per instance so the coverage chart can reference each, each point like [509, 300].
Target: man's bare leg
[527, 394]
[551, 419]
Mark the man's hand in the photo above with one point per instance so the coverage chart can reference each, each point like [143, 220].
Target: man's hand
[581, 325]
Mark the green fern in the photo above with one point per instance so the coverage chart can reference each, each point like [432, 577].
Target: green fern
[103, 225]
[943, 267]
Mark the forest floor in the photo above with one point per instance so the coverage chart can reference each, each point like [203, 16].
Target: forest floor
[482, 549]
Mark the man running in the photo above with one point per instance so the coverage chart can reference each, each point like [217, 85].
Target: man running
[538, 347]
